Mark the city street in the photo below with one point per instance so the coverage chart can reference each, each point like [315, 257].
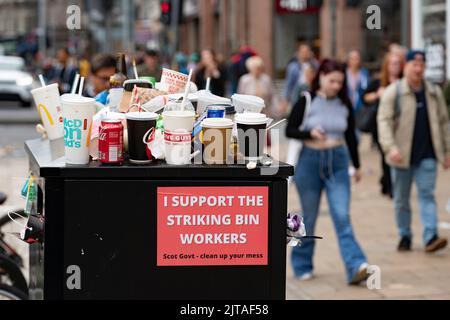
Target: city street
[413, 275]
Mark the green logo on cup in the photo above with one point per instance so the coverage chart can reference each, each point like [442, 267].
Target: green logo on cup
[72, 133]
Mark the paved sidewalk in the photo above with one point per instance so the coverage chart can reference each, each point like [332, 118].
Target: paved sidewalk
[412, 275]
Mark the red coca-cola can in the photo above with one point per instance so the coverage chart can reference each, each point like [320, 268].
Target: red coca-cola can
[110, 142]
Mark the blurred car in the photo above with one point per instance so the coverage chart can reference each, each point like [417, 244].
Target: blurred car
[15, 81]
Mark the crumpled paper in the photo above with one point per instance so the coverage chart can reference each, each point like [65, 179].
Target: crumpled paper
[157, 145]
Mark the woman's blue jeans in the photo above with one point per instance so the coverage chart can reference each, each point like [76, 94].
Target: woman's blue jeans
[319, 170]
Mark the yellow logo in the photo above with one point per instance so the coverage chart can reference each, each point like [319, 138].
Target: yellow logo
[49, 116]
[88, 138]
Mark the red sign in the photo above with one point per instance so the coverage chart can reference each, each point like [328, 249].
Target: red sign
[206, 226]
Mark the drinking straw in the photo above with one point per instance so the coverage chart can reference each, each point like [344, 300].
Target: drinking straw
[135, 69]
[75, 83]
[208, 83]
[41, 79]
[137, 101]
[186, 90]
[274, 125]
[80, 91]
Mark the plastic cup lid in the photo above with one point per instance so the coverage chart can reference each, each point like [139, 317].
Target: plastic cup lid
[179, 113]
[47, 87]
[141, 116]
[251, 118]
[217, 123]
[216, 107]
[76, 99]
[242, 98]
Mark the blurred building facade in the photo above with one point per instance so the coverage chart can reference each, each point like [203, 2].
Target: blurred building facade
[274, 27]
[431, 31]
[271, 27]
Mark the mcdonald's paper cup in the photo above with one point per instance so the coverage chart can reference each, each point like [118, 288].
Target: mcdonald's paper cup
[78, 113]
[48, 104]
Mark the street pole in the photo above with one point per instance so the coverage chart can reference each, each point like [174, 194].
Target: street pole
[174, 27]
[42, 42]
[405, 12]
[125, 24]
[333, 28]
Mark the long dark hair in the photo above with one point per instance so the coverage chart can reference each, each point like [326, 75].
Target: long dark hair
[327, 66]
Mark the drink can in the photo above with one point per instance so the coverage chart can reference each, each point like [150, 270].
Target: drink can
[216, 111]
[110, 142]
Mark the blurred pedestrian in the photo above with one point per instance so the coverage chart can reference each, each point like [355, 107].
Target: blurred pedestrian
[85, 65]
[309, 72]
[210, 67]
[294, 145]
[151, 66]
[398, 49]
[194, 59]
[257, 82]
[103, 66]
[413, 127]
[446, 90]
[357, 79]
[392, 70]
[326, 124]
[238, 66]
[295, 75]
[64, 72]
[181, 63]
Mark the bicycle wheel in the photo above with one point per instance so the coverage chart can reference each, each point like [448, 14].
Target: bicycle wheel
[11, 274]
[11, 293]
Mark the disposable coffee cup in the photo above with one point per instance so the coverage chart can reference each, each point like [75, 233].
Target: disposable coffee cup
[216, 138]
[251, 129]
[78, 113]
[230, 112]
[48, 104]
[115, 95]
[178, 127]
[141, 127]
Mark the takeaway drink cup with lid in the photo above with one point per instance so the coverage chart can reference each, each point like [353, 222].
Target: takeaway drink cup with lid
[216, 138]
[141, 128]
[251, 129]
[178, 125]
[78, 112]
[48, 104]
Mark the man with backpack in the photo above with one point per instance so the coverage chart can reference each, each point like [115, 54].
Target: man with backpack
[413, 126]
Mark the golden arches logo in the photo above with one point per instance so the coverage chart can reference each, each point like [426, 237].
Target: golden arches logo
[49, 116]
[88, 138]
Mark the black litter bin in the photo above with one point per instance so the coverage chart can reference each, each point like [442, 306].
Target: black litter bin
[157, 231]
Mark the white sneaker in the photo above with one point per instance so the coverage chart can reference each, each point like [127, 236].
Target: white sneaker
[306, 276]
[361, 275]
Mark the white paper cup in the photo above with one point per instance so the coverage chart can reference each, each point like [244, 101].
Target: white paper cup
[78, 113]
[48, 104]
[216, 139]
[115, 95]
[178, 127]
